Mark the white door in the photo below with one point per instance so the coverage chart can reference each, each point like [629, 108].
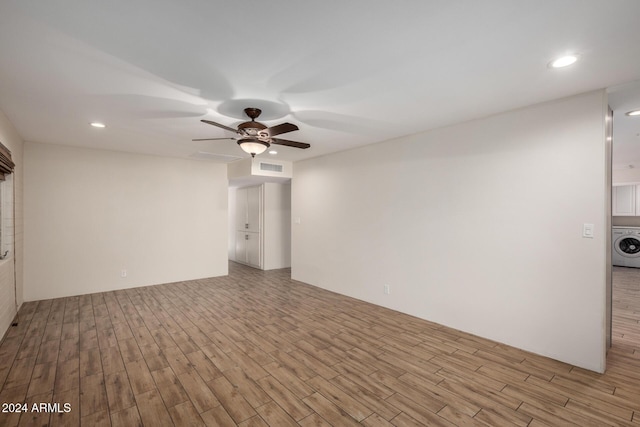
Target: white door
[241, 247]
[253, 249]
[253, 208]
[248, 243]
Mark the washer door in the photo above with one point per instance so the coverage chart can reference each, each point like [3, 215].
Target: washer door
[628, 245]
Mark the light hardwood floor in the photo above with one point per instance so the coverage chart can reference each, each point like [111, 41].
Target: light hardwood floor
[256, 348]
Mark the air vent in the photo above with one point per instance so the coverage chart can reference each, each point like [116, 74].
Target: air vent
[270, 167]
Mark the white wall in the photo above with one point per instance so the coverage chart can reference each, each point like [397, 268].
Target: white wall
[476, 226]
[11, 279]
[89, 214]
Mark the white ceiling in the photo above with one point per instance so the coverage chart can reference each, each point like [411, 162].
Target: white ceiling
[348, 73]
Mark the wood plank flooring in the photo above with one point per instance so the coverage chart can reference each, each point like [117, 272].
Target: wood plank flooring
[258, 349]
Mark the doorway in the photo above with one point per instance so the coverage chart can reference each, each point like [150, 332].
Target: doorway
[623, 282]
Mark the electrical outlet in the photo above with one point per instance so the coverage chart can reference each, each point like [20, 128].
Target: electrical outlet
[387, 289]
[123, 273]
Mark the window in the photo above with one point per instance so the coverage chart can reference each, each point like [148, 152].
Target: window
[6, 202]
[6, 217]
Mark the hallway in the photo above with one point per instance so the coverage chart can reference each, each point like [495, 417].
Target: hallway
[626, 311]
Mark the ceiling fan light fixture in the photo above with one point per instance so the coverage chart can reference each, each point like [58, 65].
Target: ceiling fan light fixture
[253, 146]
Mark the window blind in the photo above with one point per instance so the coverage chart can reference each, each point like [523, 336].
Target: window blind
[6, 164]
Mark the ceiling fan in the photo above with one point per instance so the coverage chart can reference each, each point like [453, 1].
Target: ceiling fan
[254, 137]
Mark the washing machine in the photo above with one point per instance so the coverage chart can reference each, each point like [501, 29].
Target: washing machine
[626, 246]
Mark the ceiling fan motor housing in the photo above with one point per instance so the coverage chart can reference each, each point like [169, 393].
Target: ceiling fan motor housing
[251, 128]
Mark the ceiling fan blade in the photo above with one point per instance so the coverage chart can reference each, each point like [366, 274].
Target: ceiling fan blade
[290, 143]
[210, 139]
[209, 122]
[282, 128]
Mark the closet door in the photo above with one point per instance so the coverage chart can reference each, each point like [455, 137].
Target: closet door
[241, 247]
[253, 249]
[241, 209]
[248, 226]
[253, 208]
[248, 248]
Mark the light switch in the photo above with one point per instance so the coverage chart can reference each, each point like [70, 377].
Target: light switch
[587, 231]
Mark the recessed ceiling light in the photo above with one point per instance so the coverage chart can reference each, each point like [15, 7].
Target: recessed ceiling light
[273, 152]
[564, 61]
[634, 113]
[98, 125]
